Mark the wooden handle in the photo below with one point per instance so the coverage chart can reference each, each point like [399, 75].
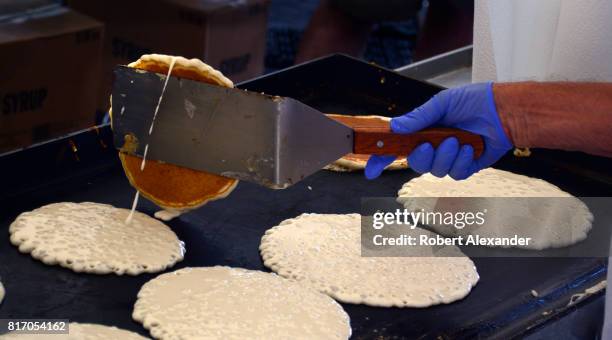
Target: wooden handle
[382, 141]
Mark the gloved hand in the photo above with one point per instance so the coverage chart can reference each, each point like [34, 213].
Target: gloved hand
[470, 108]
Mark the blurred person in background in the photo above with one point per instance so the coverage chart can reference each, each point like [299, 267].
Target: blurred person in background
[343, 26]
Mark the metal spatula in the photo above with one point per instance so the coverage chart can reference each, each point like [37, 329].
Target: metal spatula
[270, 140]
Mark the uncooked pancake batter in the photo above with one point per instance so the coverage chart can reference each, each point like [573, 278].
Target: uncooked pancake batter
[128, 220]
[324, 251]
[92, 238]
[234, 303]
[561, 221]
[167, 214]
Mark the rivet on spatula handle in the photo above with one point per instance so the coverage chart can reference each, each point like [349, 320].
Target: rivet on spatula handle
[382, 141]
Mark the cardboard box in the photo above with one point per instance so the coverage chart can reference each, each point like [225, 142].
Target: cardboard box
[229, 35]
[49, 74]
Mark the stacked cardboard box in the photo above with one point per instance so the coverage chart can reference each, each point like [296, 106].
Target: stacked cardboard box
[49, 67]
[229, 35]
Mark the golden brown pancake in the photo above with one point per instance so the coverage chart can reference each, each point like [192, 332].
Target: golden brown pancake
[167, 185]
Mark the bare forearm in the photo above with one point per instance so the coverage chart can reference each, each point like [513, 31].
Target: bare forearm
[567, 116]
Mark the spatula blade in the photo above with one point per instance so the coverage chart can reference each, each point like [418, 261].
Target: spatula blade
[272, 141]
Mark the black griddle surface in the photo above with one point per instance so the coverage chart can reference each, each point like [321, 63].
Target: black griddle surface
[228, 231]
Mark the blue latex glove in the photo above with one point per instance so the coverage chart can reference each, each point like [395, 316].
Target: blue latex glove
[470, 108]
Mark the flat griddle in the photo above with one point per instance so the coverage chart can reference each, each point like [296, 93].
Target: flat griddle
[85, 167]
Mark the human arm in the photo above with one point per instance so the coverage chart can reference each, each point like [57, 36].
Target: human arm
[569, 116]
[566, 116]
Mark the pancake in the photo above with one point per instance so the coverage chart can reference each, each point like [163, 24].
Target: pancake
[233, 303]
[93, 238]
[324, 251]
[560, 221]
[171, 187]
[354, 162]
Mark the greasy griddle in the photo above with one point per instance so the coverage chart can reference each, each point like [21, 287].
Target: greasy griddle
[85, 167]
